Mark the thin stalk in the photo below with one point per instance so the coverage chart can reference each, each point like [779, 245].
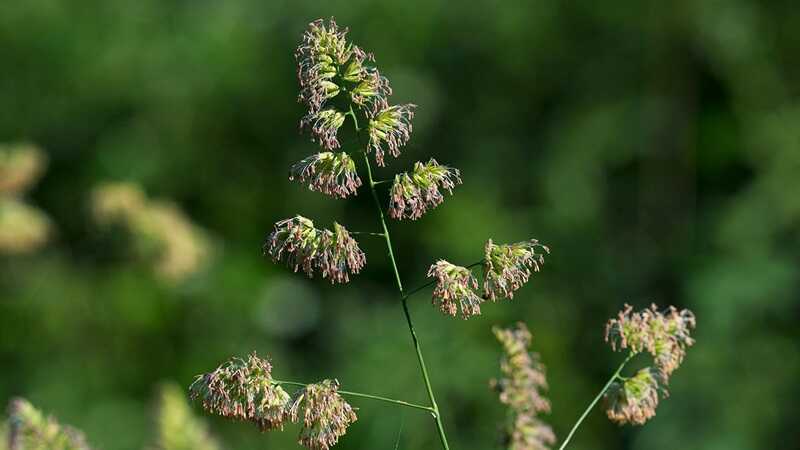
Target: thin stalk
[362, 395]
[594, 402]
[368, 233]
[404, 298]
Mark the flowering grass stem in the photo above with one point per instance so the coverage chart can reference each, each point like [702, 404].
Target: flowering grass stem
[404, 298]
[432, 282]
[362, 395]
[611, 380]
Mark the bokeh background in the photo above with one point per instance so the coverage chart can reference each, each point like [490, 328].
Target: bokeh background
[655, 146]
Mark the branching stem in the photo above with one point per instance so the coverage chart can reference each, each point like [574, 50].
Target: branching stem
[594, 402]
[362, 395]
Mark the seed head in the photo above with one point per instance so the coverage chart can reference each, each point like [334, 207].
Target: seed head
[415, 193]
[389, 125]
[243, 390]
[330, 173]
[324, 127]
[21, 165]
[325, 414]
[29, 429]
[634, 400]
[23, 228]
[323, 50]
[665, 335]
[521, 389]
[298, 244]
[508, 267]
[455, 289]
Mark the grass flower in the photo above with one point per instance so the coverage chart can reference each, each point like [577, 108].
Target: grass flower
[21, 165]
[324, 127]
[243, 390]
[330, 173]
[178, 428]
[23, 228]
[665, 335]
[298, 244]
[634, 400]
[521, 389]
[325, 414]
[29, 429]
[415, 193]
[508, 267]
[389, 126]
[455, 289]
[323, 51]
[161, 230]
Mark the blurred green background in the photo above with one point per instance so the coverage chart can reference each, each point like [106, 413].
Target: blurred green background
[654, 146]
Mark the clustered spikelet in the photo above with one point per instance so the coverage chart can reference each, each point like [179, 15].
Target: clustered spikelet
[179, 247]
[455, 289]
[414, 193]
[389, 126]
[21, 165]
[298, 244]
[508, 267]
[243, 389]
[23, 228]
[634, 400]
[29, 429]
[665, 335]
[330, 173]
[178, 428]
[521, 389]
[325, 417]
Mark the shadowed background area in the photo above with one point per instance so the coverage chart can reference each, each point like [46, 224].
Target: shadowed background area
[654, 146]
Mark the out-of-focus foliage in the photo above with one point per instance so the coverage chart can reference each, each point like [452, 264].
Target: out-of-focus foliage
[652, 145]
[29, 429]
[178, 428]
[23, 228]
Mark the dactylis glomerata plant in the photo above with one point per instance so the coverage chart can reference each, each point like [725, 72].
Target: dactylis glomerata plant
[341, 87]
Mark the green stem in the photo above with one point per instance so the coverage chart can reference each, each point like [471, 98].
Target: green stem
[404, 298]
[594, 402]
[359, 394]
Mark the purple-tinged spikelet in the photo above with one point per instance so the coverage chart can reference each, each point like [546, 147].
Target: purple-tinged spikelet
[413, 194]
[323, 49]
[330, 173]
[665, 335]
[389, 126]
[508, 267]
[324, 126]
[634, 400]
[243, 390]
[325, 414]
[298, 244]
[455, 289]
[521, 389]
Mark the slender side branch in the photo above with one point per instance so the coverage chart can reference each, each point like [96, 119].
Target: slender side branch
[594, 402]
[362, 395]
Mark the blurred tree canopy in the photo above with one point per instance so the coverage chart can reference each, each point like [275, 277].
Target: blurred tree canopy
[654, 146]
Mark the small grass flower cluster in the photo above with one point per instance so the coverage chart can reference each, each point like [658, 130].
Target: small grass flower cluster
[521, 389]
[332, 174]
[665, 335]
[455, 289]
[413, 194]
[301, 246]
[23, 227]
[29, 429]
[508, 267]
[244, 389]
